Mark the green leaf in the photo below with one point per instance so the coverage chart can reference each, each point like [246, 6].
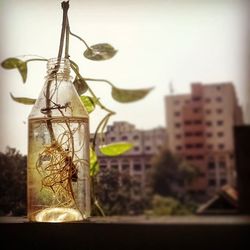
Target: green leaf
[80, 85]
[12, 63]
[88, 102]
[23, 100]
[94, 166]
[129, 95]
[100, 52]
[115, 149]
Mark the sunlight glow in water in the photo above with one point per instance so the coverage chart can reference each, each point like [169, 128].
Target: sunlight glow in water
[58, 215]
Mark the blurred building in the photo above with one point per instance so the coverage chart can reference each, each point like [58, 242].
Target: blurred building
[200, 128]
[136, 162]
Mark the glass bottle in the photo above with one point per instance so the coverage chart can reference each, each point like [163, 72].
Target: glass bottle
[58, 151]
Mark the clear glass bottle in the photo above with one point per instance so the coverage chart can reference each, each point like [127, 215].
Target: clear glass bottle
[58, 183]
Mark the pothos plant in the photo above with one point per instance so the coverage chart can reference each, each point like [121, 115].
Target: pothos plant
[97, 52]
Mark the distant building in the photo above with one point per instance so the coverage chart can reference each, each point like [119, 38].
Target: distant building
[136, 162]
[200, 128]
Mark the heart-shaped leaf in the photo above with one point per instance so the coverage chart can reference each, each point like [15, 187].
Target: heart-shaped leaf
[129, 95]
[23, 100]
[94, 166]
[12, 63]
[88, 102]
[100, 52]
[80, 85]
[115, 149]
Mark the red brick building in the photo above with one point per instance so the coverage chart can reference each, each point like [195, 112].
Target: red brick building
[200, 128]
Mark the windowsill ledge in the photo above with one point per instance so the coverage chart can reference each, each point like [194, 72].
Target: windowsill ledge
[187, 232]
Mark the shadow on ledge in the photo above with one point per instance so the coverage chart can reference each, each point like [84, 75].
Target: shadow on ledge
[196, 232]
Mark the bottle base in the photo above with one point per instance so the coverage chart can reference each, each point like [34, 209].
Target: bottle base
[58, 214]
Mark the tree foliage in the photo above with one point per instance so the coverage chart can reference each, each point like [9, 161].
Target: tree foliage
[12, 183]
[168, 206]
[171, 174]
[120, 194]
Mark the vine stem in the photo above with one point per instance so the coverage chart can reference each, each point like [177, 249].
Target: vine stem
[100, 80]
[65, 7]
[72, 34]
[36, 59]
[91, 91]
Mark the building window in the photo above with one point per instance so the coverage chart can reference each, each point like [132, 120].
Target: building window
[147, 166]
[220, 134]
[221, 146]
[210, 146]
[208, 123]
[187, 122]
[124, 138]
[112, 138]
[211, 182]
[189, 145]
[188, 134]
[189, 157]
[177, 125]
[218, 87]
[198, 133]
[176, 102]
[218, 99]
[196, 110]
[199, 145]
[219, 111]
[209, 134]
[199, 157]
[136, 137]
[208, 100]
[220, 123]
[211, 165]
[125, 167]
[196, 98]
[114, 167]
[197, 122]
[178, 136]
[103, 167]
[208, 111]
[177, 113]
[136, 148]
[137, 167]
[178, 147]
[222, 164]
[148, 148]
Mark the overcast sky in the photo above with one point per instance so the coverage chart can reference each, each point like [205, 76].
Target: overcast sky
[160, 41]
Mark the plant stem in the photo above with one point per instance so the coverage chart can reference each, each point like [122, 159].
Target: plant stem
[101, 123]
[72, 34]
[65, 7]
[67, 39]
[36, 59]
[91, 91]
[100, 80]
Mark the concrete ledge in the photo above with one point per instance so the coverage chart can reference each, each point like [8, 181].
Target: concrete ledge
[171, 233]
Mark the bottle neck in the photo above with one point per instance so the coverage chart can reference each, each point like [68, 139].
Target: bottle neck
[58, 69]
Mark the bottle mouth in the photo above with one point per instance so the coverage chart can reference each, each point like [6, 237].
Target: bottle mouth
[58, 66]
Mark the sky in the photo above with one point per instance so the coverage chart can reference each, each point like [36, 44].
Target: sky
[158, 42]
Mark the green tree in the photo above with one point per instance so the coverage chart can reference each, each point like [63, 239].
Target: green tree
[171, 174]
[12, 183]
[168, 206]
[120, 194]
